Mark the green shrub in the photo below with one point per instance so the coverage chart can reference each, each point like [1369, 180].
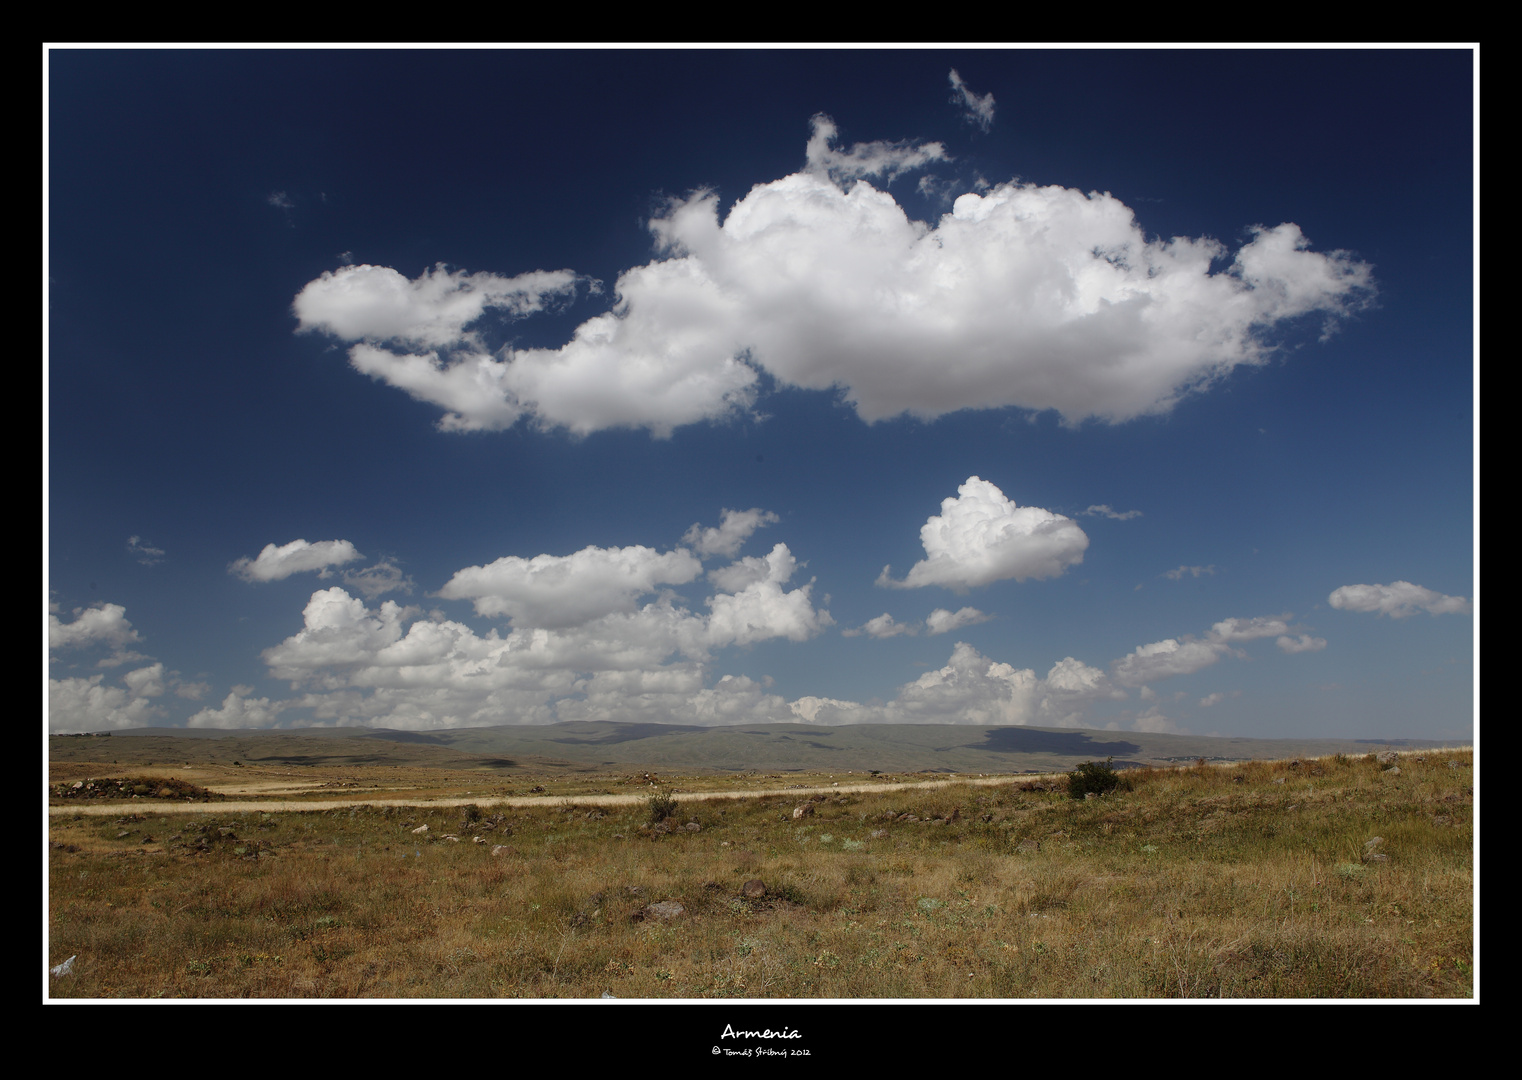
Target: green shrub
[1094, 776]
[662, 806]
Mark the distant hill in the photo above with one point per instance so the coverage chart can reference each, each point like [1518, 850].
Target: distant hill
[693, 750]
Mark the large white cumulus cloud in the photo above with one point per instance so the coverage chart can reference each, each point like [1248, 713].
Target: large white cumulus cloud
[1397, 600]
[1022, 295]
[982, 537]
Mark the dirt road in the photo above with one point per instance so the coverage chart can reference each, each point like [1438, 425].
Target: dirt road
[161, 807]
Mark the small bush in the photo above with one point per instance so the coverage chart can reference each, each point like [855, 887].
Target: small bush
[1094, 776]
[662, 806]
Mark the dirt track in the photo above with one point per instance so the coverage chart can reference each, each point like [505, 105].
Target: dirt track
[155, 806]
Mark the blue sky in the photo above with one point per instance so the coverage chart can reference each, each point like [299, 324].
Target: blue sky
[1116, 389]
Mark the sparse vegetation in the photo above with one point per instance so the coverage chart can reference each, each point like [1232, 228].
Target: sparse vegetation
[662, 805]
[1094, 777]
[1240, 882]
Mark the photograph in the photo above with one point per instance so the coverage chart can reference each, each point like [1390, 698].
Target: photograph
[830, 523]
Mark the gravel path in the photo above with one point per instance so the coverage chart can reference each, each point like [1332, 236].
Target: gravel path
[155, 806]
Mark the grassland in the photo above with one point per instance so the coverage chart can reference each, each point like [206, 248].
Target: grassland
[1249, 880]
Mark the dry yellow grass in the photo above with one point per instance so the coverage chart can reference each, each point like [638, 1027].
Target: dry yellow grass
[1247, 881]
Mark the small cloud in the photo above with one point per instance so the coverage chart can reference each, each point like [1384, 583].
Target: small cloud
[1303, 643]
[1153, 720]
[280, 199]
[1164, 659]
[941, 621]
[1102, 510]
[1212, 699]
[981, 537]
[1250, 629]
[104, 624]
[381, 578]
[976, 110]
[275, 563]
[877, 159]
[1193, 571]
[735, 527]
[882, 627]
[1397, 600]
[147, 555]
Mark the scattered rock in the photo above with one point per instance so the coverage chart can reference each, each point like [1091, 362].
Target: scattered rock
[1388, 757]
[1028, 847]
[1393, 770]
[500, 850]
[1371, 852]
[878, 834]
[420, 830]
[65, 968]
[132, 788]
[806, 810]
[665, 910]
[1279, 780]
[693, 826]
[753, 889]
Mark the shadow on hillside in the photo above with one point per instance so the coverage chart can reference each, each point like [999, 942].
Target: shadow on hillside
[1030, 741]
[628, 733]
